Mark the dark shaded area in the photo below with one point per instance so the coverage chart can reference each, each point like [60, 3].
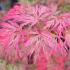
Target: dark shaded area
[30, 58]
[63, 40]
[1, 27]
[0, 8]
[19, 23]
[68, 48]
[13, 2]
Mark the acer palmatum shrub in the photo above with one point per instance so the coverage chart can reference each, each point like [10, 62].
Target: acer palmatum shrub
[36, 34]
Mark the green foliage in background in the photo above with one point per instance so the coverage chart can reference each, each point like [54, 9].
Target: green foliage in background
[30, 0]
[65, 8]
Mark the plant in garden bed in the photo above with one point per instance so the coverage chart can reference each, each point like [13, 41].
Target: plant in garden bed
[35, 32]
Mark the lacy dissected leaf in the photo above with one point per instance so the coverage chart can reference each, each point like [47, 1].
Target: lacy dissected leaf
[60, 25]
[10, 37]
[26, 29]
[38, 13]
[44, 40]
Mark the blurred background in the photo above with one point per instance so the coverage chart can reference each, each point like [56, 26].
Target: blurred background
[5, 5]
